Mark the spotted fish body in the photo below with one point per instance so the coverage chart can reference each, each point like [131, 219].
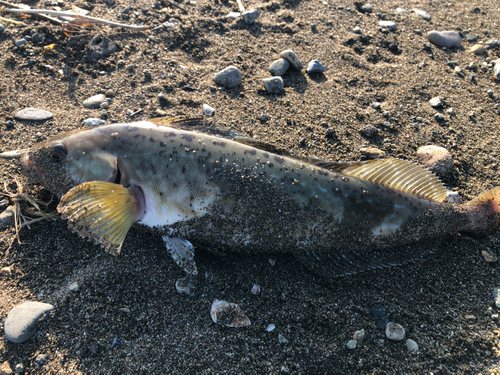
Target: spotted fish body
[226, 195]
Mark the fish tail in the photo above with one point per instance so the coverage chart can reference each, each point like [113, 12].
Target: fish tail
[484, 211]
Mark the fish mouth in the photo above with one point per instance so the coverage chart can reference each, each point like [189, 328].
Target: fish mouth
[33, 171]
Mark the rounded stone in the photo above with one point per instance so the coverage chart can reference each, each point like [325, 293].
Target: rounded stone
[478, 49]
[207, 110]
[279, 67]
[359, 335]
[21, 321]
[435, 158]
[94, 122]
[228, 77]
[366, 8]
[315, 67]
[292, 59]
[250, 16]
[446, 39]
[422, 13]
[394, 331]
[94, 101]
[33, 114]
[21, 42]
[351, 344]
[401, 11]
[435, 102]
[273, 85]
[100, 48]
[388, 25]
[412, 346]
[2, 28]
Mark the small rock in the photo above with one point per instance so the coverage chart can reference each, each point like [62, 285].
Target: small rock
[250, 16]
[292, 59]
[496, 69]
[41, 359]
[369, 131]
[125, 310]
[478, 49]
[228, 77]
[496, 297]
[21, 42]
[279, 67]
[5, 369]
[273, 85]
[446, 39]
[490, 93]
[356, 30]
[435, 102]
[187, 285]
[393, 47]
[489, 257]
[452, 197]
[439, 117]
[9, 124]
[94, 101]
[2, 28]
[37, 38]
[33, 114]
[94, 122]
[388, 25]
[359, 335]
[412, 346]
[7, 217]
[459, 71]
[372, 153]
[282, 339]
[234, 15]
[436, 158]
[20, 324]
[73, 287]
[263, 117]
[315, 67]
[351, 344]
[255, 289]
[5, 271]
[492, 43]
[228, 314]
[270, 327]
[381, 315]
[19, 369]
[394, 331]
[422, 13]
[376, 105]
[100, 48]
[366, 8]
[207, 110]
[471, 38]
[401, 11]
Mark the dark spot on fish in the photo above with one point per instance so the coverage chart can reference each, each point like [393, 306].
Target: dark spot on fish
[151, 140]
[221, 144]
[161, 153]
[266, 155]
[161, 193]
[172, 134]
[279, 159]
[183, 169]
[137, 135]
[143, 137]
[187, 137]
[162, 144]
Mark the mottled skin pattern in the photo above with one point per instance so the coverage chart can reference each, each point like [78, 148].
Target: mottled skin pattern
[230, 196]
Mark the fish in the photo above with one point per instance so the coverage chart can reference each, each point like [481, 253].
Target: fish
[192, 183]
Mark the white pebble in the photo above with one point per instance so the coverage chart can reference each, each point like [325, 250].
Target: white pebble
[435, 102]
[412, 346]
[292, 59]
[394, 331]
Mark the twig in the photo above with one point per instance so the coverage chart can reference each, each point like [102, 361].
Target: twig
[48, 18]
[172, 2]
[17, 23]
[77, 18]
[240, 5]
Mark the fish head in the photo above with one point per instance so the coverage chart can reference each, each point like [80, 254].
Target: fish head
[67, 160]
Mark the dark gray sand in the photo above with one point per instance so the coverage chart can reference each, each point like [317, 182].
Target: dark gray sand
[444, 300]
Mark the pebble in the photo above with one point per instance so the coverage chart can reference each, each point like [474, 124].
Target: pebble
[496, 297]
[19, 369]
[21, 42]
[356, 30]
[94, 101]
[279, 67]
[401, 11]
[100, 48]
[369, 131]
[5, 368]
[394, 331]
[435, 102]
[270, 327]
[315, 67]
[207, 110]
[228, 77]
[471, 38]
[422, 13]
[73, 287]
[490, 93]
[7, 217]
[411, 345]
[351, 344]
[94, 122]
[388, 25]
[37, 38]
[492, 43]
[41, 359]
[292, 59]
[5, 271]
[282, 339]
[186, 285]
[435, 158]
[359, 335]
[250, 16]
[458, 71]
[489, 257]
[376, 105]
[381, 315]
[233, 15]
[255, 289]
[446, 39]
[439, 117]
[273, 85]
[496, 69]
[366, 8]
[478, 49]
[372, 153]
[2, 28]
[393, 47]
[125, 310]
[452, 197]
[228, 314]
[20, 324]
[33, 114]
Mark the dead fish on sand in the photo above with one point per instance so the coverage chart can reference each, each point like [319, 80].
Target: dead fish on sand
[233, 193]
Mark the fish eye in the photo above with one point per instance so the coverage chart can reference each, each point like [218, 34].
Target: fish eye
[58, 152]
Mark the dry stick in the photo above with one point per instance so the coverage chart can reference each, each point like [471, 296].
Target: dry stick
[51, 19]
[77, 18]
[177, 5]
[240, 5]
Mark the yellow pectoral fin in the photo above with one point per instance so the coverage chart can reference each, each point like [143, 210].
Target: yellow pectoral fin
[102, 211]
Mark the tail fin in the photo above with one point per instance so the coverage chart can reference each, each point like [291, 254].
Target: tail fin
[484, 211]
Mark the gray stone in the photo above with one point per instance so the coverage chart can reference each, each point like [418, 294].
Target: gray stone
[446, 39]
[2, 28]
[273, 85]
[401, 11]
[100, 48]
[20, 324]
[351, 344]
[207, 110]
[228, 77]
[279, 67]
[94, 122]
[282, 339]
[37, 38]
[315, 67]
[250, 16]
[187, 285]
[94, 101]
[21, 42]
[412, 346]
[422, 13]
[471, 38]
[376, 105]
[492, 43]
[451, 111]
[359, 335]
[369, 131]
[452, 197]
[435, 102]
[366, 8]
[73, 287]
[292, 59]
[33, 114]
[388, 25]
[356, 30]
[19, 369]
[394, 331]
[435, 158]
[439, 117]
[496, 297]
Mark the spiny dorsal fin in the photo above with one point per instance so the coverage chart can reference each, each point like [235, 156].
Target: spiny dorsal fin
[399, 175]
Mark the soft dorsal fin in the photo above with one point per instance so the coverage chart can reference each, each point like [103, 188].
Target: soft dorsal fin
[399, 175]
